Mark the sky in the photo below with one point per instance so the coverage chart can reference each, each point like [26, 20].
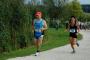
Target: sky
[81, 1]
[85, 1]
[39, 1]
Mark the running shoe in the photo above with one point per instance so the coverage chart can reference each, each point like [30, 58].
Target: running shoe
[77, 44]
[37, 53]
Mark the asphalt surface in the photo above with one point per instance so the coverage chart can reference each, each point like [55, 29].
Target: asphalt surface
[64, 52]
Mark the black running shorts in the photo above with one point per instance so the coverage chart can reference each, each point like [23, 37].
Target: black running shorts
[73, 35]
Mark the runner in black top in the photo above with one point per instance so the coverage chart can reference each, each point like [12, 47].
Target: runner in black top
[73, 29]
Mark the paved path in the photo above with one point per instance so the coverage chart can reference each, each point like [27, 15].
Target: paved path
[64, 52]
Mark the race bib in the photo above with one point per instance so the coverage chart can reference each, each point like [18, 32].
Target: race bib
[72, 30]
[37, 30]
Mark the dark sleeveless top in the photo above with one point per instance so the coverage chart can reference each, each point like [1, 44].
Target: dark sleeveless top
[73, 29]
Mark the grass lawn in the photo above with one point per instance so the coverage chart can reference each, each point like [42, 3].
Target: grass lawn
[55, 38]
